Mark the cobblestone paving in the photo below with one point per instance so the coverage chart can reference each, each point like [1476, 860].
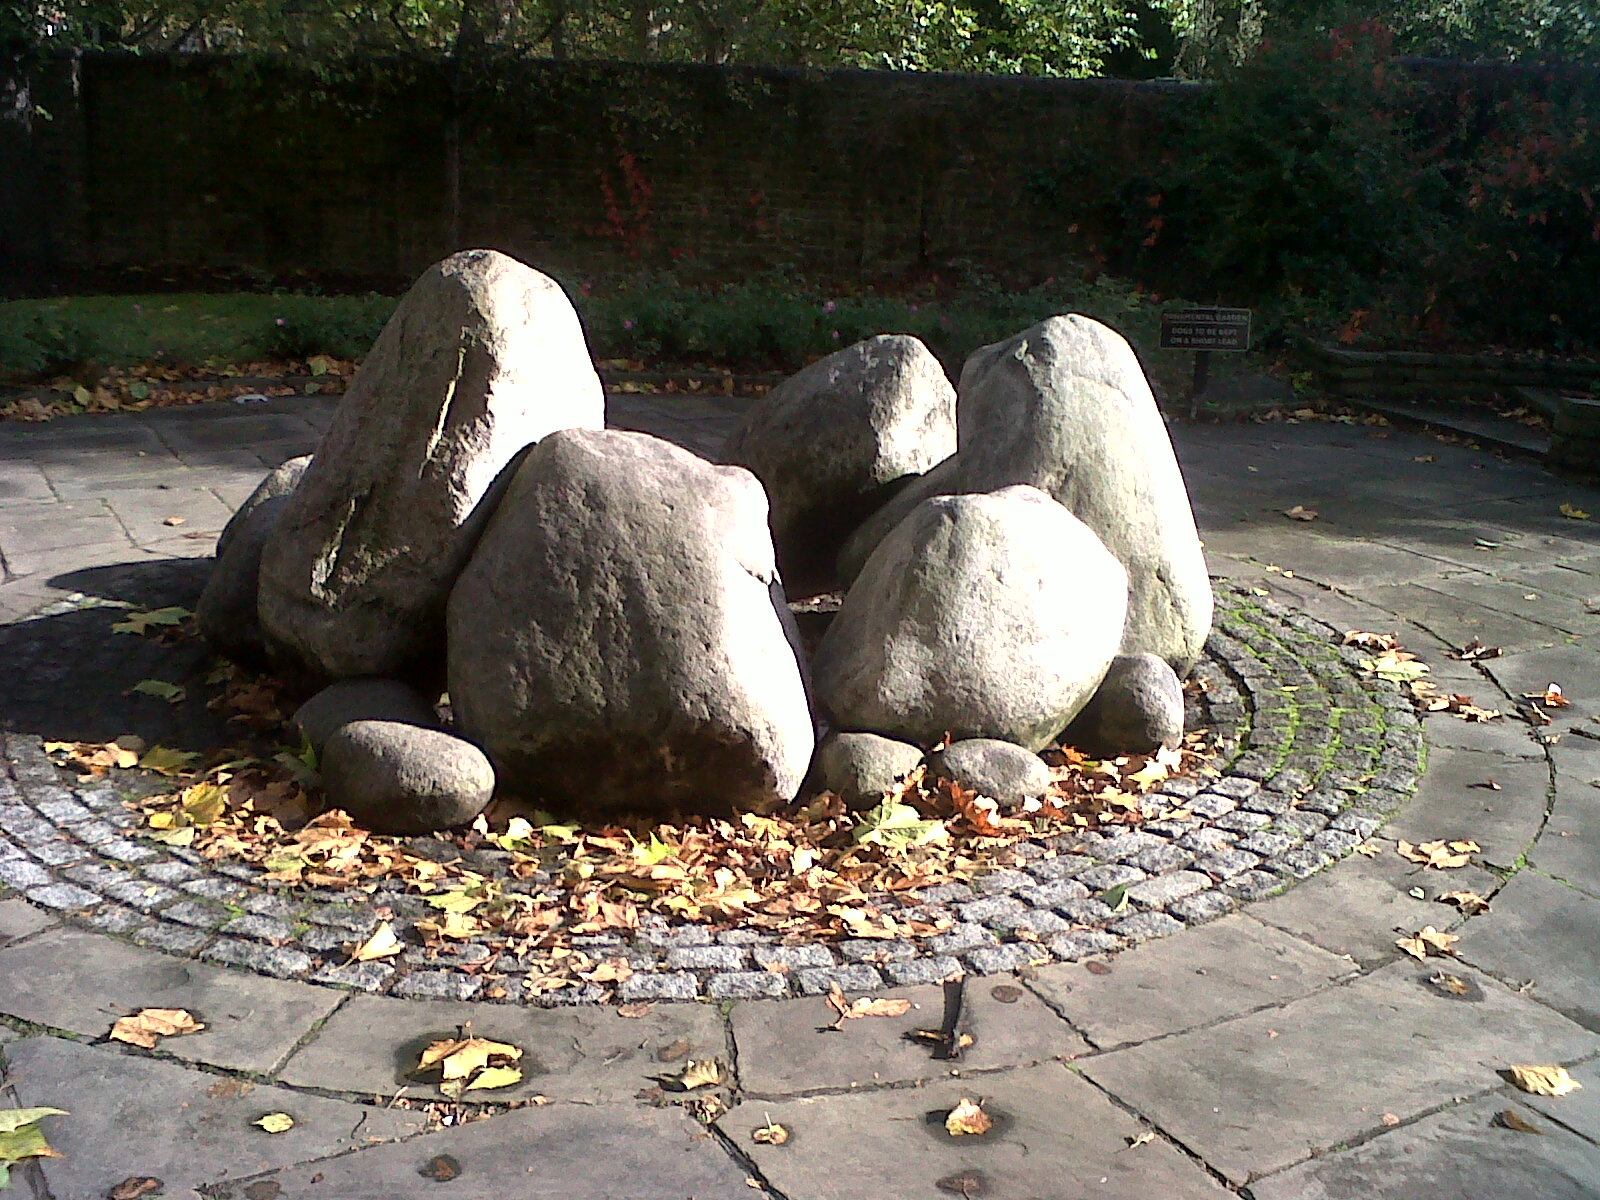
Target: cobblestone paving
[1320, 755]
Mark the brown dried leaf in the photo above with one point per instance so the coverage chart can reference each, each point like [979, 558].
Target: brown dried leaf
[1428, 941]
[640, 1008]
[1468, 902]
[1452, 984]
[1300, 513]
[1551, 697]
[134, 1187]
[697, 1073]
[968, 1118]
[1473, 651]
[148, 1026]
[770, 1134]
[1511, 1119]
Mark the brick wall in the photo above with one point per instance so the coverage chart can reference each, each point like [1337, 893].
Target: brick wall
[211, 165]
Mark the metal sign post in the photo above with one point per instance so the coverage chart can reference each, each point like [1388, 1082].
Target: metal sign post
[1204, 330]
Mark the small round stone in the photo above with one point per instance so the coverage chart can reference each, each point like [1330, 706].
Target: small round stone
[1137, 709]
[338, 704]
[862, 767]
[1002, 771]
[397, 778]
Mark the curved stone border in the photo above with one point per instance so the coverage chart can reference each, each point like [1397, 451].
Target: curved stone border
[1322, 756]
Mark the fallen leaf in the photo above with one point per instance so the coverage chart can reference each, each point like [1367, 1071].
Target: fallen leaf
[1488, 784]
[1371, 641]
[166, 761]
[1390, 1119]
[1143, 1139]
[494, 1077]
[135, 1186]
[1300, 513]
[1097, 968]
[1369, 849]
[865, 1006]
[697, 1073]
[1511, 1119]
[1473, 651]
[174, 520]
[1428, 941]
[770, 1134]
[21, 1137]
[1452, 984]
[674, 1050]
[142, 623]
[1544, 1081]
[1551, 697]
[441, 1168]
[384, 943]
[1441, 855]
[968, 1117]
[1468, 902]
[161, 690]
[641, 1008]
[148, 1026]
[278, 1122]
[1573, 512]
[461, 1058]
[967, 1184]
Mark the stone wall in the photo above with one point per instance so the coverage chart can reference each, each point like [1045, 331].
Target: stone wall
[189, 164]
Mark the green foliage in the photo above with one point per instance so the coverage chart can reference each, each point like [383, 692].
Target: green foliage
[303, 326]
[35, 343]
[769, 324]
[1340, 190]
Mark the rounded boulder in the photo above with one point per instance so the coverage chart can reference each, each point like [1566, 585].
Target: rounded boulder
[1002, 771]
[396, 778]
[989, 616]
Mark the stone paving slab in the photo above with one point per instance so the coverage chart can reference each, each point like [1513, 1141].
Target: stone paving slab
[1462, 1152]
[1452, 802]
[788, 1047]
[1458, 622]
[563, 1152]
[19, 919]
[1229, 967]
[1545, 933]
[1360, 909]
[587, 1054]
[81, 982]
[1578, 1111]
[1264, 1091]
[1054, 1136]
[130, 1115]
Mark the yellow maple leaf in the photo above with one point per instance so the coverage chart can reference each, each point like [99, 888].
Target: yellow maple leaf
[1544, 1080]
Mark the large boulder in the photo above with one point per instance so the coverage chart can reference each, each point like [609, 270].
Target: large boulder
[991, 616]
[1065, 407]
[393, 777]
[279, 481]
[226, 611]
[619, 641]
[482, 357]
[1138, 709]
[830, 443]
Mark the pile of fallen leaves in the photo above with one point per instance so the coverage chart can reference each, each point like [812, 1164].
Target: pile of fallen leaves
[154, 385]
[809, 870]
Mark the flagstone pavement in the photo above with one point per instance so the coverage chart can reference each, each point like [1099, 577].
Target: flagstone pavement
[1289, 1051]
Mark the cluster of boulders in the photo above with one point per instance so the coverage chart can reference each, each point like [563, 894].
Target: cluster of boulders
[605, 614]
